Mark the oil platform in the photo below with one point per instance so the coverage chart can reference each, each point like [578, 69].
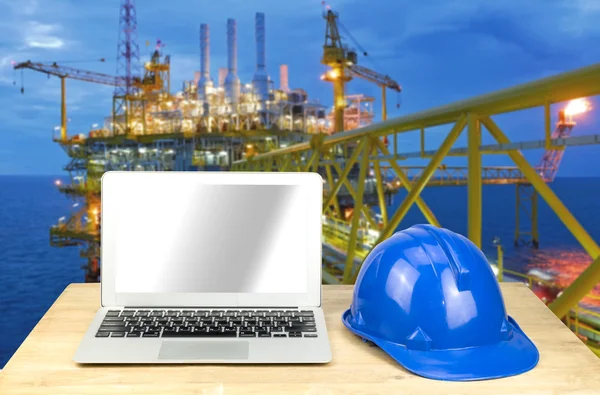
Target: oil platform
[206, 126]
[255, 126]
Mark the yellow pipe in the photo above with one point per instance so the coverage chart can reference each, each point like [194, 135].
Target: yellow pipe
[474, 179]
[422, 142]
[570, 85]
[424, 179]
[358, 204]
[591, 275]
[429, 216]
[344, 174]
[380, 192]
[63, 109]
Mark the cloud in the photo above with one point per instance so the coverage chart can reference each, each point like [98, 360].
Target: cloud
[41, 35]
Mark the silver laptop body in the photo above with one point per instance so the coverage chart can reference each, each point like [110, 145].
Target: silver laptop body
[209, 267]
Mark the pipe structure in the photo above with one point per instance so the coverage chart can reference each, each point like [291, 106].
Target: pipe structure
[261, 78]
[232, 81]
[222, 75]
[284, 82]
[205, 81]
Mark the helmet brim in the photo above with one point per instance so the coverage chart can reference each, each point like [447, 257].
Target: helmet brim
[507, 358]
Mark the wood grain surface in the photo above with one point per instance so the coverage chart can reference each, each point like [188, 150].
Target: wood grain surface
[43, 364]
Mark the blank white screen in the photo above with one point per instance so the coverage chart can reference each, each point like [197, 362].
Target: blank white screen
[179, 237]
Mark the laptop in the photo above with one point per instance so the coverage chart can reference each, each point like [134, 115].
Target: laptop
[209, 267]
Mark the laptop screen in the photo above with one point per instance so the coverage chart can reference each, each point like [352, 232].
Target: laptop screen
[198, 238]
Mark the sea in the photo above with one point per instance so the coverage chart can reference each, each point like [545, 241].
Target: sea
[33, 274]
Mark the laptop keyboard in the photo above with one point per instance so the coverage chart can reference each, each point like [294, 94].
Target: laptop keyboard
[208, 323]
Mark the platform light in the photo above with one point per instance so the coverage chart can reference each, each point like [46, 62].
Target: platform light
[58, 183]
[578, 106]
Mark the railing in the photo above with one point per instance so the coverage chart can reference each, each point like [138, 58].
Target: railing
[365, 148]
[583, 321]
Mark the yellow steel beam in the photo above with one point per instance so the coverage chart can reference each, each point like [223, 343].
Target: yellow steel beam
[427, 173]
[358, 205]
[570, 85]
[429, 216]
[352, 193]
[474, 179]
[344, 174]
[380, 193]
[591, 275]
[63, 109]
[336, 204]
[313, 157]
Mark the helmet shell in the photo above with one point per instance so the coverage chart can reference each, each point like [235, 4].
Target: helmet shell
[427, 287]
[429, 298]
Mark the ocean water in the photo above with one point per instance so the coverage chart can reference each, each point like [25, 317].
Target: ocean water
[33, 274]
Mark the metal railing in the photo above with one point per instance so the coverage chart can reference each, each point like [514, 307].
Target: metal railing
[360, 146]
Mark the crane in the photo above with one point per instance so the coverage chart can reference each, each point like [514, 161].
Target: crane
[382, 81]
[64, 72]
[343, 64]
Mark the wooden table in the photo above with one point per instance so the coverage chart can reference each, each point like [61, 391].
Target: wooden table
[43, 364]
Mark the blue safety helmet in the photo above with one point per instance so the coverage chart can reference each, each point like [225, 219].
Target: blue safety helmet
[428, 297]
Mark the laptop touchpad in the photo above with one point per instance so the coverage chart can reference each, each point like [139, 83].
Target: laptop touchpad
[207, 350]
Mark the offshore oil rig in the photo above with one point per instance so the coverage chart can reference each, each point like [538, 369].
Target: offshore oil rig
[256, 126]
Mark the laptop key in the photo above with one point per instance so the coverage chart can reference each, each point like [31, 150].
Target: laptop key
[200, 334]
[304, 314]
[295, 334]
[201, 313]
[134, 334]
[114, 319]
[111, 329]
[117, 334]
[102, 334]
[264, 334]
[247, 334]
[310, 335]
[127, 313]
[151, 334]
[113, 313]
[279, 335]
[308, 319]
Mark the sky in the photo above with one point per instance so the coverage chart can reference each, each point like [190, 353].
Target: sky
[440, 51]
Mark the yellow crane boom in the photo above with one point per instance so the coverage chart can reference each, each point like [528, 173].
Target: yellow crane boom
[64, 72]
[383, 81]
